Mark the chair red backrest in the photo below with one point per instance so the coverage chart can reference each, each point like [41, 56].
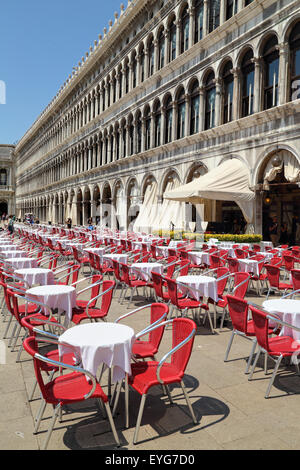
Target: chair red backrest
[184, 254]
[296, 278]
[238, 311]
[221, 284]
[183, 267]
[107, 297]
[256, 247]
[158, 281]
[182, 329]
[95, 289]
[233, 265]
[240, 290]
[172, 291]
[126, 274]
[273, 274]
[275, 261]
[172, 252]
[215, 261]
[240, 254]
[171, 269]
[261, 327]
[289, 261]
[157, 311]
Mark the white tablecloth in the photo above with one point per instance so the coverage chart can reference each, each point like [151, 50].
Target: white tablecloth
[58, 297]
[34, 276]
[206, 286]
[264, 244]
[22, 263]
[198, 257]
[13, 254]
[120, 258]
[95, 251]
[288, 310]
[249, 266]
[8, 247]
[143, 270]
[100, 343]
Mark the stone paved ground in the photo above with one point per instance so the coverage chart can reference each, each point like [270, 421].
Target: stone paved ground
[232, 412]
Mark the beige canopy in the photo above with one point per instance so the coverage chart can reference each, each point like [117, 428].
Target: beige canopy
[227, 182]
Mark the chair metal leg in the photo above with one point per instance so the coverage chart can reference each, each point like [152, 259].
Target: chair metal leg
[229, 345]
[7, 328]
[273, 376]
[112, 424]
[54, 417]
[139, 419]
[254, 364]
[188, 403]
[251, 355]
[126, 402]
[39, 416]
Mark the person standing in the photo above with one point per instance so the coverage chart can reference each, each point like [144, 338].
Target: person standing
[273, 231]
[10, 225]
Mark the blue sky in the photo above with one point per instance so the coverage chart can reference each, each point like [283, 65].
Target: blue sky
[40, 42]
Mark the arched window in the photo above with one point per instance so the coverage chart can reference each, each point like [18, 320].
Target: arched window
[294, 43]
[214, 14]
[131, 137]
[184, 33]
[3, 177]
[180, 114]
[134, 70]
[157, 124]
[247, 2]
[172, 41]
[199, 10]
[247, 84]
[151, 57]
[147, 129]
[169, 120]
[139, 133]
[195, 102]
[227, 79]
[161, 49]
[231, 8]
[142, 64]
[270, 73]
[210, 100]
[126, 71]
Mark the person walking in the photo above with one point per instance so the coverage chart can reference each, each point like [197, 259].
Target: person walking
[10, 225]
[273, 231]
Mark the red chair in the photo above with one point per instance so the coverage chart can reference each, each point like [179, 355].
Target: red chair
[145, 375]
[239, 289]
[148, 348]
[240, 254]
[238, 311]
[288, 263]
[82, 260]
[103, 267]
[295, 273]
[182, 268]
[91, 311]
[96, 280]
[256, 247]
[275, 347]
[261, 278]
[70, 272]
[222, 278]
[273, 275]
[182, 304]
[233, 265]
[131, 282]
[66, 389]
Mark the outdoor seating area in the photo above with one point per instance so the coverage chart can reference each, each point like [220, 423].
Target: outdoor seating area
[138, 341]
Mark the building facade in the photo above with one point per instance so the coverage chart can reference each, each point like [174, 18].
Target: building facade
[7, 180]
[170, 91]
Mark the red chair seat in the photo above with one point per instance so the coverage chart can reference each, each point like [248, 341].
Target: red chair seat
[283, 345]
[142, 349]
[71, 388]
[283, 285]
[143, 375]
[79, 315]
[31, 308]
[184, 303]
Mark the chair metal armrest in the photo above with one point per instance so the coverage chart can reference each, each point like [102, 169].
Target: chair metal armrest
[36, 302]
[240, 284]
[132, 312]
[97, 297]
[89, 287]
[73, 368]
[82, 280]
[291, 293]
[176, 348]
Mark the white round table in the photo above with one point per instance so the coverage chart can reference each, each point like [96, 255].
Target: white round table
[249, 266]
[8, 247]
[100, 343]
[206, 286]
[116, 257]
[13, 254]
[288, 310]
[22, 263]
[143, 270]
[40, 276]
[58, 297]
[198, 257]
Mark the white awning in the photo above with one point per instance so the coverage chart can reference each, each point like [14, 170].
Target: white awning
[227, 182]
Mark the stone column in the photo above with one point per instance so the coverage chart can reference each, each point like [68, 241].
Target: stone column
[191, 12]
[167, 47]
[218, 103]
[178, 36]
[187, 115]
[222, 11]
[236, 99]
[205, 17]
[152, 132]
[257, 105]
[163, 125]
[283, 92]
[156, 55]
[201, 108]
[174, 121]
